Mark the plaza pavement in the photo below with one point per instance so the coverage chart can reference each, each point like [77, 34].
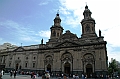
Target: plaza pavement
[7, 76]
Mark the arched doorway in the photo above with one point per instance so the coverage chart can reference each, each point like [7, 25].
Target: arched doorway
[67, 68]
[17, 66]
[49, 68]
[89, 70]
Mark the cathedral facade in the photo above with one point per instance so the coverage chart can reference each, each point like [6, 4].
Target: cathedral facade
[63, 53]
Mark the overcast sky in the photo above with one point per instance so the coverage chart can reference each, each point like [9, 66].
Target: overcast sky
[28, 21]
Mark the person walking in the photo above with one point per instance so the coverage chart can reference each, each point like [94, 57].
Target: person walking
[83, 77]
[76, 76]
[47, 75]
[2, 72]
[33, 75]
[11, 73]
[14, 74]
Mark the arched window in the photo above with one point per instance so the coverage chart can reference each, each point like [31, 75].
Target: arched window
[87, 28]
[54, 33]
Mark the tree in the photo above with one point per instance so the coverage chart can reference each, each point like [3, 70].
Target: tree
[119, 72]
[112, 67]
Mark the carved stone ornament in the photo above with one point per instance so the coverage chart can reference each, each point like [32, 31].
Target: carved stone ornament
[88, 58]
[17, 61]
[48, 60]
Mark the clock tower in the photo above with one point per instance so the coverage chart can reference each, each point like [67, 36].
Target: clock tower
[88, 24]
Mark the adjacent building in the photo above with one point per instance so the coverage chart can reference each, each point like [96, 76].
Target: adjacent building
[64, 52]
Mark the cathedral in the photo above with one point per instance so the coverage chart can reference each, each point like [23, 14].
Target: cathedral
[64, 53]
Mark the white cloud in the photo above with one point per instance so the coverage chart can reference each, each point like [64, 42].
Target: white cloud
[14, 26]
[72, 12]
[111, 35]
[113, 54]
[64, 11]
[43, 3]
[18, 32]
[1, 41]
[73, 22]
[45, 34]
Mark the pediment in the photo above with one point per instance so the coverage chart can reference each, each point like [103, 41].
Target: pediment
[19, 49]
[68, 35]
[67, 44]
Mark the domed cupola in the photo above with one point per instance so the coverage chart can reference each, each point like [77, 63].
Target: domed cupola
[57, 20]
[87, 13]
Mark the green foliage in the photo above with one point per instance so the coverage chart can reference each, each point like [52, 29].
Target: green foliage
[118, 71]
[112, 67]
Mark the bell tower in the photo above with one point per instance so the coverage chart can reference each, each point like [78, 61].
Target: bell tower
[88, 24]
[56, 29]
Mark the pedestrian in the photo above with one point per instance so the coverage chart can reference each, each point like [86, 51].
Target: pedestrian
[2, 72]
[76, 76]
[11, 73]
[64, 77]
[14, 74]
[83, 77]
[47, 75]
[33, 75]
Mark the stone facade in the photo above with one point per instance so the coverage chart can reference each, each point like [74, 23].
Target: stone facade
[63, 53]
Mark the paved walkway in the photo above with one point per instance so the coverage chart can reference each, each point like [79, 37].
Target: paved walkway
[7, 76]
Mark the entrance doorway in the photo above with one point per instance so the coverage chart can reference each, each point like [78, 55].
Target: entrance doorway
[67, 68]
[17, 66]
[49, 68]
[89, 70]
